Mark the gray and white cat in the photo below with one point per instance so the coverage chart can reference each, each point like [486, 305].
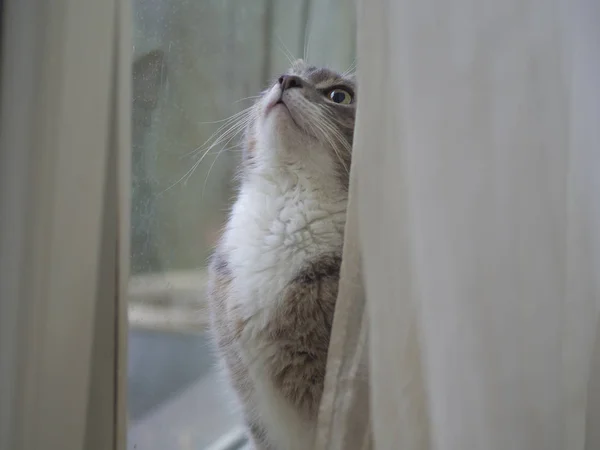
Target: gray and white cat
[275, 272]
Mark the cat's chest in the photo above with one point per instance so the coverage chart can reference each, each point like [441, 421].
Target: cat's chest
[269, 239]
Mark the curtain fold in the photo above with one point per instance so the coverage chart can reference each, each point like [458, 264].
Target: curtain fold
[344, 412]
[474, 224]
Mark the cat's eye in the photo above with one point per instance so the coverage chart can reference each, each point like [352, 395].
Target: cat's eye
[341, 96]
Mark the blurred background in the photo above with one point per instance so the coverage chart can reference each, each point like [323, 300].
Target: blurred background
[195, 63]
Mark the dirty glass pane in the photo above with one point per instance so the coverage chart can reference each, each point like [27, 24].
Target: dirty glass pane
[196, 62]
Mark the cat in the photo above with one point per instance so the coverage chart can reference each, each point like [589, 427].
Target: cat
[274, 274]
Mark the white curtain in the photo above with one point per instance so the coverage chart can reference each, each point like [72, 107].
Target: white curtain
[475, 210]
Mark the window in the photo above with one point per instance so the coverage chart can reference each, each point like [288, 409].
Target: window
[194, 64]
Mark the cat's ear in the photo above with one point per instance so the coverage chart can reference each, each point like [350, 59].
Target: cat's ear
[149, 74]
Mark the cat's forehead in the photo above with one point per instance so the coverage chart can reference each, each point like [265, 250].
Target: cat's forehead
[319, 75]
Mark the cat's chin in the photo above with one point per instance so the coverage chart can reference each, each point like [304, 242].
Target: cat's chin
[275, 106]
[279, 115]
[279, 112]
[280, 128]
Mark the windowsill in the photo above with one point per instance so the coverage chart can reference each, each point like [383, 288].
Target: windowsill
[173, 405]
[171, 301]
[176, 302]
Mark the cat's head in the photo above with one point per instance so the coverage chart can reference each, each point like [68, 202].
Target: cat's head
[304, 121]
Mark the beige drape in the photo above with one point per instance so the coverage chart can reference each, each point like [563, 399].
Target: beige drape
[64, 257]
[472, 263]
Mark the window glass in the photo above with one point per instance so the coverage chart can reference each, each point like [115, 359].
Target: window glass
[196, 63]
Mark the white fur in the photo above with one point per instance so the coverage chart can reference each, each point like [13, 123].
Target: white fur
[291, 209]
[268, 240]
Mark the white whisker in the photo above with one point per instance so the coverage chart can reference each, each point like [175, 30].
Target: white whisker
[234, 115]
[210, 169]
[350, 70]
[232, 123]
[306, 40]
[327, 129]
[286, 51]
[232, 127]
[252, 97]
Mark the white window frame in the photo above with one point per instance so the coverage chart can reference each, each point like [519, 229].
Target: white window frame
[171, 301]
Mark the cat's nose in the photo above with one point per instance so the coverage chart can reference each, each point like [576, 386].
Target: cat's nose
[289, 82]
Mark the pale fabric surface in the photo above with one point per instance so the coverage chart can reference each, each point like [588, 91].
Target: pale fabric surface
[476, 191]
[344, 413]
